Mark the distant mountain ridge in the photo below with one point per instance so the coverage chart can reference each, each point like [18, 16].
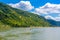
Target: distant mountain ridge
[54, 23]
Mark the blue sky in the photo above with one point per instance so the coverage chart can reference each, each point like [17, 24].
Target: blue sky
[33, 2]
[47, 8]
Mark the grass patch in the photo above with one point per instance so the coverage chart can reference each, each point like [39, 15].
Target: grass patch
[11, 35]
[2, 38]
[4, 28]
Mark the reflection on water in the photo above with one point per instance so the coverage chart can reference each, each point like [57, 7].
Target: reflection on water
[31, 34]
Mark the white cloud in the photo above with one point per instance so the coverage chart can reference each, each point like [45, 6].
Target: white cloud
[48, 8]
[54, 18]
[57, 18]
[49, 17]
[24, 5]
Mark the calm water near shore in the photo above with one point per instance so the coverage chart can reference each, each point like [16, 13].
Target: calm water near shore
[31, 34]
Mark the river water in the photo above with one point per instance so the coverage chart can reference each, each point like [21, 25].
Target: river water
[31, 34]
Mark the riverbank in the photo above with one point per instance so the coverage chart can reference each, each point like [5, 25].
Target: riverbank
[6, 28]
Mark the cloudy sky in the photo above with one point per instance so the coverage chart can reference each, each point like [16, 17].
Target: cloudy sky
[50, 9]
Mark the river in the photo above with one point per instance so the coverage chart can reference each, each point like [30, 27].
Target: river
[31, 34]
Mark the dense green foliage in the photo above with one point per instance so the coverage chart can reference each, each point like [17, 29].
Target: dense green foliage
[18, 18]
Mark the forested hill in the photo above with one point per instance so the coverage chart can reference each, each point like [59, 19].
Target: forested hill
[18, 18]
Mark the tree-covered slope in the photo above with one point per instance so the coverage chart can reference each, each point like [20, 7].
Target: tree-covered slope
[18, 18]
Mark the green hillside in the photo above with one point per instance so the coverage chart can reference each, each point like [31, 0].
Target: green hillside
[18, 18]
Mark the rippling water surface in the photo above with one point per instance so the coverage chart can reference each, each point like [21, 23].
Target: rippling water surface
[31, 34]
